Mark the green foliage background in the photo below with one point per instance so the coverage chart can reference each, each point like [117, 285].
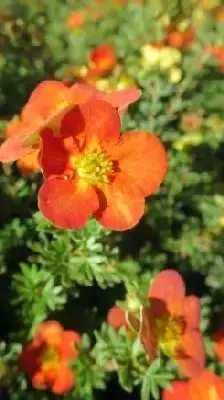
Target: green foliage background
[75, 277]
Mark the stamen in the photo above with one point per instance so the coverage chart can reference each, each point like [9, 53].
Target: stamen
[50, 355]
[169, 331]
[94, 166]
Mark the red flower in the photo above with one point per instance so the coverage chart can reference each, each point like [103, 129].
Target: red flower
[92, 171]
[218, 338]
[178, 391]
[46, 358]
[178, 39]
[102, 60]
[206, 386]
[46, 107]
[171, 323]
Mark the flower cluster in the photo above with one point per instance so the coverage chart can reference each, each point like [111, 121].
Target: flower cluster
[46, 359]
[89, 168]
[166, 58]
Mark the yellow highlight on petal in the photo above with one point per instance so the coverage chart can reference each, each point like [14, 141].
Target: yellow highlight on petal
[212, 393]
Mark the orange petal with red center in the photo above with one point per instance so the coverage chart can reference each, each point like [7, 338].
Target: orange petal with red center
[178, 391]
[67, 203]
[192, 311]
[122, 98]
[96, 120]
[143, 158]
[121, 204]
[168, 288]
[65, 380]
[192, 359]
[148, 334]
[68, 346]
[206, 386]
[53, 155]
[45, 99]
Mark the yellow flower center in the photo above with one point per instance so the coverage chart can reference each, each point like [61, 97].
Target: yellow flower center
[169, 331]
[50, 356]
[94, 166]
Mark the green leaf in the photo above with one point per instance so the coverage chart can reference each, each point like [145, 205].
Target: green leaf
[146, 386]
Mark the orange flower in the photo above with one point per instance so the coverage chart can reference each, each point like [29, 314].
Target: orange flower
[46, 358]
[218, 338]
[46, 107]
[218, 53]
[206, 386]
[92, 171]
[219, 15]
[76, 20]
[28, 164]
[102, 60]
[116, 318]
[178, 391]
[178, 39]
[171, 323]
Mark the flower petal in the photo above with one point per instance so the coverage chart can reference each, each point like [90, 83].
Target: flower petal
[206, 386]
[116, 317]
[122, 98]
[178, 391]
[82, 93]
[50, 333]
[96, 120]
[192, 361]
[67, 203]
[12, 148]
[38, 380]
[148, 336]
[68, 348]
[29, 165]
[122, 204]
[141, 156]
[48, 104]
[169, 288]
[45, 99]
[53, 154]
[29, 360]
[65, 380]
[192, 311]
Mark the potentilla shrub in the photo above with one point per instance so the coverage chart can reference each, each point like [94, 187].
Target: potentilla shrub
[112, 206]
